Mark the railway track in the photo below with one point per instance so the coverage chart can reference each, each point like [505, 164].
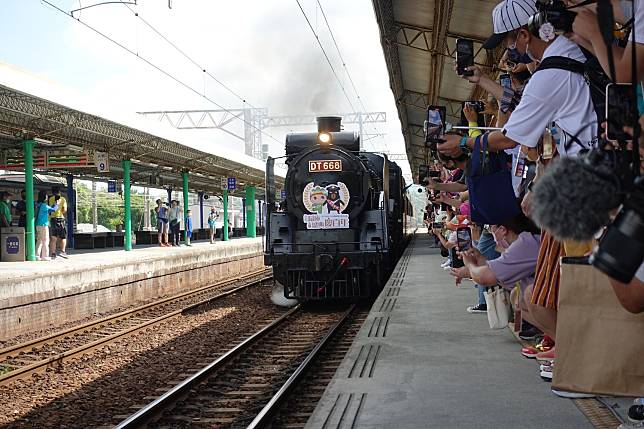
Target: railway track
[23, 360]
[249, 384]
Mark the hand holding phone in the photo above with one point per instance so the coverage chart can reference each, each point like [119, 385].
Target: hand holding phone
[464, 56]
[463, 239]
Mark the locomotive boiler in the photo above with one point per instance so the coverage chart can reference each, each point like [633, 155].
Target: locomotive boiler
[342, 224]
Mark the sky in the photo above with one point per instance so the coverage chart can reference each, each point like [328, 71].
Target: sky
[262, 51]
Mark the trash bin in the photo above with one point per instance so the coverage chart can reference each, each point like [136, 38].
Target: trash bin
[13, 244]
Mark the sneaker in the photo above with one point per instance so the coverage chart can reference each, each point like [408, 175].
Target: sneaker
[447, 268]
[445, 264]
[572, 395]
[547, 355]
[530, 352]
[546, 344]
[636, 415]
[53, 256]
[481, 308]
[545, 371]
[529, 334]
[46, 258]
[62, 255]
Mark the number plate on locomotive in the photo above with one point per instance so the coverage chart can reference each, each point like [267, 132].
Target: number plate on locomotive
[323, 166]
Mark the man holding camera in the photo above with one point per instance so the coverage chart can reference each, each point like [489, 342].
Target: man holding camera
[58, 224]
[551, 95]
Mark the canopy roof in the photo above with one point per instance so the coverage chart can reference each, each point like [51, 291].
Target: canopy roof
[419, 41]
[31, 107]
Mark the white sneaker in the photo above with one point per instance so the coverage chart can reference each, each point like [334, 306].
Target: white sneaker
[572, 395]
[447, 268]
[46, 258]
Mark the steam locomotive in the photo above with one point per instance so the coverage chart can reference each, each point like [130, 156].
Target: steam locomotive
[345, 219]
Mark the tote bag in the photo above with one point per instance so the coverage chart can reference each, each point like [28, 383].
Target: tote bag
[600, 346]
[498, 307]
[489, 183]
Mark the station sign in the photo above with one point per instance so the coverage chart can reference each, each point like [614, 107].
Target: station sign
[232, 183]
[111, 186]
[283, 194]
[48, 160]
[321, 166]
[102, 161]
[224, 183]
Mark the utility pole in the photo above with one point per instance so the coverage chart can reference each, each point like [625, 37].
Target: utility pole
[94, 208]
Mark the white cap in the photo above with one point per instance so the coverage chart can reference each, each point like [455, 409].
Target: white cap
[507, 16]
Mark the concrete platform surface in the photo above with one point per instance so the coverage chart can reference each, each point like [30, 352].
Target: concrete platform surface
[421, 361]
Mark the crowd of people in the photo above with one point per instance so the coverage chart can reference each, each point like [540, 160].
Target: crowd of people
[507, 188]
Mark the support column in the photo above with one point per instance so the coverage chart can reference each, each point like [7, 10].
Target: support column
[251, 230]
[30, 236]
[128, 204]
[201, 210]
[94, 208]
[169, 197]
[259, 207]
[243, 213]
[225, 227]
[71, 211]
[184, 176]
[147, 221]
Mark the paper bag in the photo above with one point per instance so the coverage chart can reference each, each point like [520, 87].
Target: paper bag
[498, 308]
[600, 346]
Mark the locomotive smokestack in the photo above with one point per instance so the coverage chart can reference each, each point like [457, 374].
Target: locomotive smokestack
[329, 124]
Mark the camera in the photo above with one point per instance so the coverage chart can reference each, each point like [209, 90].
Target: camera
[554, 12]
[621, 250]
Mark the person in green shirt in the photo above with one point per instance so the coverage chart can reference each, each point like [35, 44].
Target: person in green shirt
[5, 209]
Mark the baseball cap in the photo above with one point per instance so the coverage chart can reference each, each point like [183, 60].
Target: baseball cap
[507, 16]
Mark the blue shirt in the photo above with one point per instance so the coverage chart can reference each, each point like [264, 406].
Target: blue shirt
[42, 213]
[189, 224]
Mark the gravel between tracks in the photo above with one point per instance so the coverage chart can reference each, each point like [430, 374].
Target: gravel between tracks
[92, 390]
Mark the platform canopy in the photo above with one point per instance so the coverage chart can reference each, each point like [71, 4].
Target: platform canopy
[69, 132]
[419, 41]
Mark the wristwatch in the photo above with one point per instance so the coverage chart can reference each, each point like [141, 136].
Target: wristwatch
[463, 145]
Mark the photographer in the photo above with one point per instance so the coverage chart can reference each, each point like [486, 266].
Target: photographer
[586, 33]
[551, 95]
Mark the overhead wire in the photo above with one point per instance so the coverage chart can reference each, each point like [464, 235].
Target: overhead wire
[328, 60]
[346, 70]
[156, 67]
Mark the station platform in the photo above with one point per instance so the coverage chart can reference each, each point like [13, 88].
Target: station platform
[421, 361]
[37, 295]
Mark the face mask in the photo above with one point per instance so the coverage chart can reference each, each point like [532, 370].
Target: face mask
[500, 241]
[517, 57]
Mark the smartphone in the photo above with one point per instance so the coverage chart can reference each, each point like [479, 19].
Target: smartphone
[437, 224]
[464, 56]
[619, 110]
[505, 81]
[463, 239]
[423, 173]
[456, 261]
[478, 106]
[435, 174]
[435, 123]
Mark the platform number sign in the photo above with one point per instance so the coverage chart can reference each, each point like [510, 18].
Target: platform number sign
[102, 161]
[283, 194]
[13, 245]
[232, 183]
[224, 183]
[111, 186]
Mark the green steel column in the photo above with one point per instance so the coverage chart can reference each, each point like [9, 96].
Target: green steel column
[184, 176]
[225, 227]
[128, 206]
[251, 230]
[30, 236]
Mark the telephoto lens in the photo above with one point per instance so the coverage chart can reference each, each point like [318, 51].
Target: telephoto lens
[621, 251]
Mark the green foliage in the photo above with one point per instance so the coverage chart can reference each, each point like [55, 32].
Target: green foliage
[110, 208]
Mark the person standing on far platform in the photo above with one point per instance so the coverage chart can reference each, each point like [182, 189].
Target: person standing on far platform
[21, 208]
[42, 226]
[162, 223]
[174, 215]
[188, 228]
[5, 209]
[212, 223]
[58, 224]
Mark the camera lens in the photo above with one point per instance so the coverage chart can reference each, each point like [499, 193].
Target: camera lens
[621, 251]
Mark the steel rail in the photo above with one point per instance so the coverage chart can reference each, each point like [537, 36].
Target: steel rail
[29, 345]
[37, 366]
[271, 408]
[146, 414]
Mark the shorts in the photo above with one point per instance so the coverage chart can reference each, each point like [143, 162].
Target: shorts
[162, 226]
[58, 228]
[213, 228]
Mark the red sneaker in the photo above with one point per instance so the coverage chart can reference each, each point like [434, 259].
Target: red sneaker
[546, 344]
[530, 352]
[548, 356]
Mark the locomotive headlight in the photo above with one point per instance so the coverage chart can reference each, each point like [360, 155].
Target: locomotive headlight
[324, 138]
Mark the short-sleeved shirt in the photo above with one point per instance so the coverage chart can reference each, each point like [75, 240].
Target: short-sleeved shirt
[518, 262]
[640, 273]
[42, 214]
[5, 211]
[560, 96]
[61, 211]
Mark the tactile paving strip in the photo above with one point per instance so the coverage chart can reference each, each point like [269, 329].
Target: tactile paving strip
[597, 413]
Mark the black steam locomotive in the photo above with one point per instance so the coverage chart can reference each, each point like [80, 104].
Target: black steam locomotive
[344, 221]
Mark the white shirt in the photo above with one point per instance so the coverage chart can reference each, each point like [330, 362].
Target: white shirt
[639, 22]
[554, 95]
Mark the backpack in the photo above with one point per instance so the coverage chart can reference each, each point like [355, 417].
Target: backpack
[595, 77]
